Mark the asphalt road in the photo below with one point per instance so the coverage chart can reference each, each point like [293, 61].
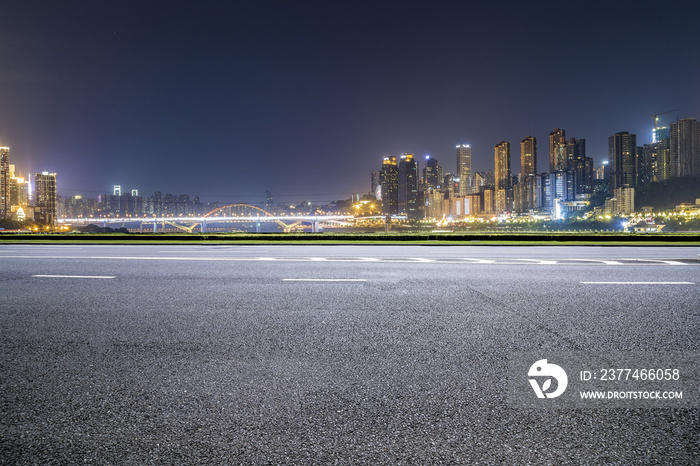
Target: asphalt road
[250, 355]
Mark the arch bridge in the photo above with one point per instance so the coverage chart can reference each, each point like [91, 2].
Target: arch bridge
[247, 211]
[232, 213]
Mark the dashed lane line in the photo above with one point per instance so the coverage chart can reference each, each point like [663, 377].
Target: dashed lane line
[73, 276]
[324, 280]
[638, 283]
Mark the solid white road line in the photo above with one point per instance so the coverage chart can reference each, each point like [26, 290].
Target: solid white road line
[409, 260]
[324, 280]
[600, 261]
[638, 283]
[73, 276]
[660, 261]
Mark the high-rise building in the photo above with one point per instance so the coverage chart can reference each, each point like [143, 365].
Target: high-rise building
[622, 155]
[474, 203]
[479, 180]
[19, 191]
[157, 203]
[622, 202]
[432, 173]
[528, 157]
[375, 183]
[553, 188]
[408, 186]
[117, 190]
[581, 166]
[45, 197]
[685, 148]
[584, 176]
[488, 205]
[557, 150]
[524, 191]
[503, 178]
[575, 150]
[464, 168]
[451, 185]
[389, 179]
[433, 199]
[483, 180]
[659, 133]
[524, 195]
[655, 161]
[5, 182]
[502, 165]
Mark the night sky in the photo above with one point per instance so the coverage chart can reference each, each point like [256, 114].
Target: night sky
[228, 99]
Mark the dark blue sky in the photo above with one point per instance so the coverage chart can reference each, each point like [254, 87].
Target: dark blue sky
[230, 98]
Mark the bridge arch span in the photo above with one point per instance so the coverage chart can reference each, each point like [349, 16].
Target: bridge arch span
[238, 210]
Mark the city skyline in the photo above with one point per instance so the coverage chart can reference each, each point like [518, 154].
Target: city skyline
[228, 101]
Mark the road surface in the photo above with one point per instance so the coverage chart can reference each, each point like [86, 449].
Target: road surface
[277, 354]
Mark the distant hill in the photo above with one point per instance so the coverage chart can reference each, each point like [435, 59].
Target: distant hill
[665, 195]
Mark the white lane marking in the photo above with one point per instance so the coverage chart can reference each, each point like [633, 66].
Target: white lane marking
[600, 261]
[660, 261]
[73, 276]
[638, 283]
[539, 261]
[46, 246]
[461, 260]
[324, 280]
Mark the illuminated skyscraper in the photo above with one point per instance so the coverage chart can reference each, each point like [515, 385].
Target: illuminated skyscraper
[685, 148]
[19, 191]
[655, 160]
[622, 155]
[528, 157]
[488, 194]
[557, 150]
[408, 186]
[389, 178]
[502, 165]
[524, 191]
[575, 150]
[503, 178]
[4, 182]
[432, 173]
[117, 190]
[45, 197]
[464, 168]
[584, 178]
